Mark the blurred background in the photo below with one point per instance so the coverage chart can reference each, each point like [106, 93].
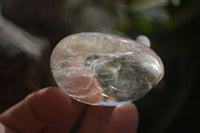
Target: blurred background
[30, 29]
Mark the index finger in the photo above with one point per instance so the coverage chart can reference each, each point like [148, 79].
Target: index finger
[37, 110]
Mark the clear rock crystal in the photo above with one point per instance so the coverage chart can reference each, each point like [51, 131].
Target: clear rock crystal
[104, 69]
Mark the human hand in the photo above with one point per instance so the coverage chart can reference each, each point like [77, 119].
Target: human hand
[50, 110]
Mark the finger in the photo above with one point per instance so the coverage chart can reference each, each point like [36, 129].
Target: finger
[124, 119]
[66, 122]
[4, 129]
[37, 110]
[96, 119]
[80, 82]
[49, 104]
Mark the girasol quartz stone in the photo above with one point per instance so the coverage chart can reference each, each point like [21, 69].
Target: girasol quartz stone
[104, 69]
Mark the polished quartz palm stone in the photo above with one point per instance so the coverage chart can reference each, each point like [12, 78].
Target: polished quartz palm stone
[104, 69]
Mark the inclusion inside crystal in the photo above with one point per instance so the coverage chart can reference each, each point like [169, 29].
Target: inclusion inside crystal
[103, 69]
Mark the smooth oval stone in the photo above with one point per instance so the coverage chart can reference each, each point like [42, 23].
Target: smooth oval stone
[104, 69]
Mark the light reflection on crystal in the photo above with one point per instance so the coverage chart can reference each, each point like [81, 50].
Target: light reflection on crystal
[103, 69]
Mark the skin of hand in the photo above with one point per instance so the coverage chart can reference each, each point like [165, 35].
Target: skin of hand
[51, 110]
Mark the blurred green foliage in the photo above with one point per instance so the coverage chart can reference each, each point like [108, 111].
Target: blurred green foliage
[173, 27]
